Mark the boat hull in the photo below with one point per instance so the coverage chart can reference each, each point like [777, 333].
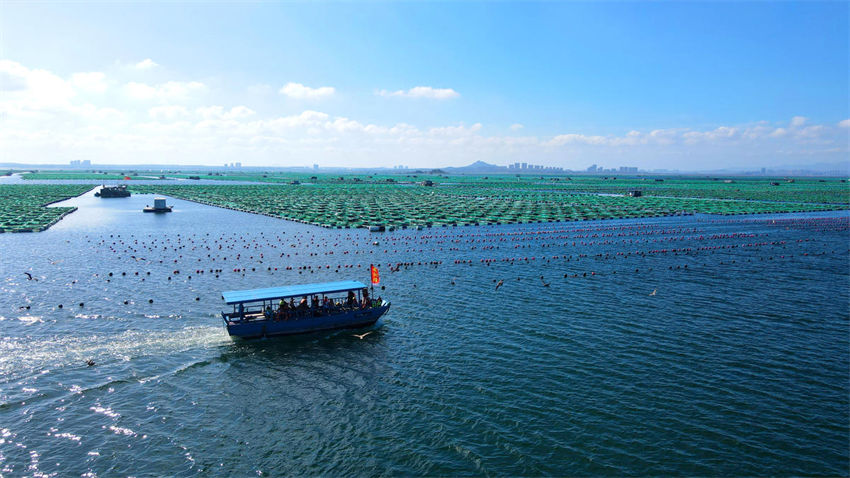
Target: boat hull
[270, 328]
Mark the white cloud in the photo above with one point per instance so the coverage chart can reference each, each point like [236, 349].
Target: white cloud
[299, 91]
[455, 130]
[44, 117]
[573, 138]
[140, 91]
[423, 92]
[146, 64]
[798, 120]
[172, 90]
[31, 89]
[813, 131]
[93, 82]
[218, 112]
[168, 113]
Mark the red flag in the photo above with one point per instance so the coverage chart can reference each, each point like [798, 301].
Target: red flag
[376, 278]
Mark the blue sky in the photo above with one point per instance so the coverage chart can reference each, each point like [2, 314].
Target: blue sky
[652, 84]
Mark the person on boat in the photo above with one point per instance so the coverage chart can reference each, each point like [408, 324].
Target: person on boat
[286, 311]
[302, 306]
[267, 313]
[241, 311]
[351, 301]
[366, 304]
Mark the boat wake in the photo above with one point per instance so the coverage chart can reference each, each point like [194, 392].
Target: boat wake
[21, 358]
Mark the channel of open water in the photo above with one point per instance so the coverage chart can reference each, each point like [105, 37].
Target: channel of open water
[697, 345]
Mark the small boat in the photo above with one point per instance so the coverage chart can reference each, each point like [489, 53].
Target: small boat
[158, 206]
[119, 191]
[322, 306]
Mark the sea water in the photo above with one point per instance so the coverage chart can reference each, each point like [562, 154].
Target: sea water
[695, 345]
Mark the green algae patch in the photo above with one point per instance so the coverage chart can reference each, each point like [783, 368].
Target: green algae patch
[454, 202]
[23, 207]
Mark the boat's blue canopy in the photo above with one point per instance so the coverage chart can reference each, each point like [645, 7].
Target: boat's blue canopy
[271, 293]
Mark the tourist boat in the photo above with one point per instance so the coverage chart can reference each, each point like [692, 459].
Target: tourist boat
[158, 206]
[323, 306]
[119, 191]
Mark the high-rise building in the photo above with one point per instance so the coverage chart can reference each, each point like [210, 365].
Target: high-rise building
[591, 169]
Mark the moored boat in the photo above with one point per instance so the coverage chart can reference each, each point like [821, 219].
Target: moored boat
[322, 306]
[119, 191]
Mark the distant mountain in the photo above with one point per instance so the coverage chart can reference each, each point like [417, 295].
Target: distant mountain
[477, 167]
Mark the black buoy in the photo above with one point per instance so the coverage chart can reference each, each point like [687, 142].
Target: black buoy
[81, 304]
[60, 306]
[150, 301]
[125, 302]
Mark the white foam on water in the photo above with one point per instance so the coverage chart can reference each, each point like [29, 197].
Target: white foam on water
[122, 431]
[19, 355]
[105, 411]
[69, 436]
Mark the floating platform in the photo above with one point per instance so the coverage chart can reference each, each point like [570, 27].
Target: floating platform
[158, 206]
